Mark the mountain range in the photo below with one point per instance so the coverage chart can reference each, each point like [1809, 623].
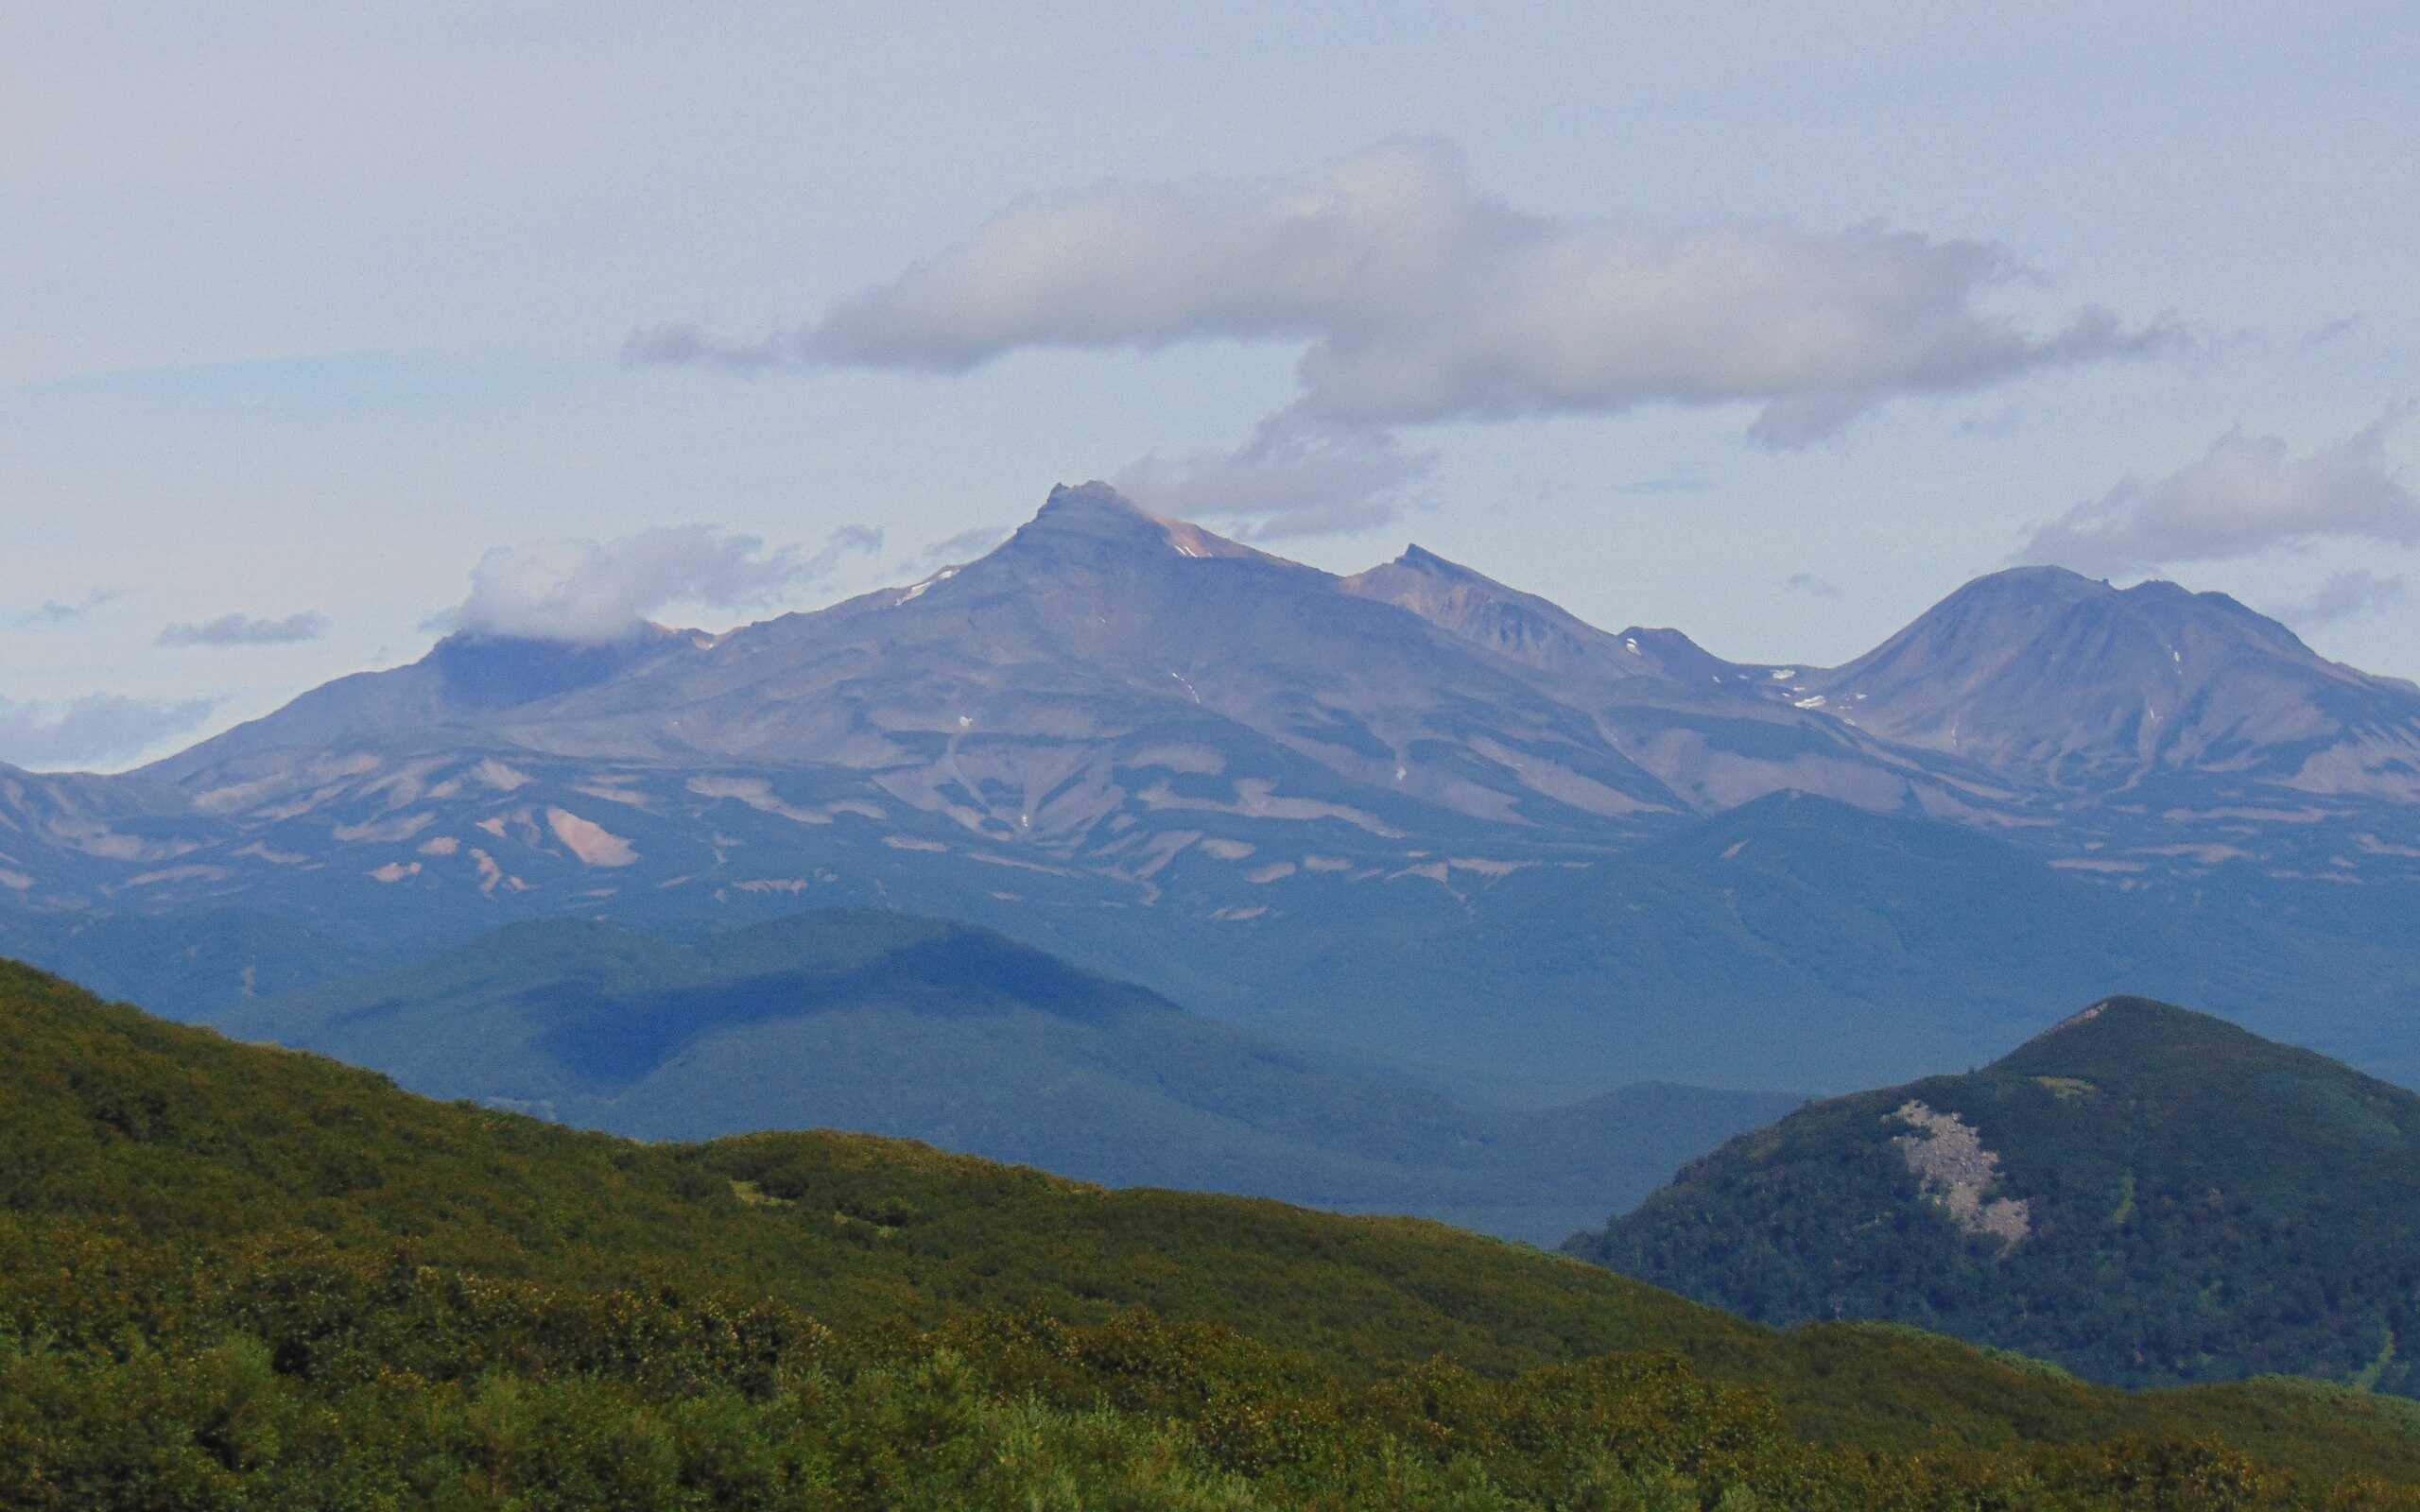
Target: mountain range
[1270, 793]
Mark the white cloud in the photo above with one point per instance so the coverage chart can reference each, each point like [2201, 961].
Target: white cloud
[2349, 596]
[95, 731]
[1292, 478]
[1420, 298]
[245, 630]
[597, 591]
[2245, 494]
[1812, 586]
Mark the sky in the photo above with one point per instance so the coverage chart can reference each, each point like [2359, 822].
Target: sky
[326, 330]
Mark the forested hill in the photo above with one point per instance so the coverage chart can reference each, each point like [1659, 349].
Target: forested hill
[238, 1277]
[2143, 1194]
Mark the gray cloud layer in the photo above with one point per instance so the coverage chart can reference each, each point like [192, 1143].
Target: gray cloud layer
[594, 590]
[1293, 477]
[94, 731]
[2245, 494]
[1423, 299]
[2345, 596]
[245, 630]
[964, 547]
[54, 614]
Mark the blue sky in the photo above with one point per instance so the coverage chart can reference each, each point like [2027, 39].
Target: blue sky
[321, 319]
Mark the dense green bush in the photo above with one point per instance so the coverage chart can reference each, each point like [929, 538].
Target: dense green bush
[238, 1278]
[2203, 1205]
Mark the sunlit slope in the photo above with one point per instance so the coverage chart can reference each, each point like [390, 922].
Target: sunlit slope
[238, 1276]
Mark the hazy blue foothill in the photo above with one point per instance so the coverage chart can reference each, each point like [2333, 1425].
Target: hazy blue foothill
[891, 1025]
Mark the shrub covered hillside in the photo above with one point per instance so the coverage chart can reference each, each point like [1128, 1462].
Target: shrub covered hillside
[2144, 1194]
[236, 1277]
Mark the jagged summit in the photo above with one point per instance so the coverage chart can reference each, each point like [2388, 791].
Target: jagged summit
[1093, 523]
[1086, 512]
[1092, 500]
[1417, 557]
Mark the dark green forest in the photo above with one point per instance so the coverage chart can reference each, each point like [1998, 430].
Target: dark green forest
[238, 1277]
[2203, 1205]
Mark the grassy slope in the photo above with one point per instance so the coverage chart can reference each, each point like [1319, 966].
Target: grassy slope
[144, 1165]
[2204, 1204]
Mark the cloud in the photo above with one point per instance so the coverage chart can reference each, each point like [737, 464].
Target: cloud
[597, 591]
[1293, 477]
[964, 546]
[2245, 494]
[1419, 298]
[2335, 330]
[1811, 585]
[245, 630]
[2349, 596]
[54, 614]
[94, 731]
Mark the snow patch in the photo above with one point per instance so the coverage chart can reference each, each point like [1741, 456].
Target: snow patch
[496, 774]
[917, 591]
[389, 833]
[492, 876]
[591, 842]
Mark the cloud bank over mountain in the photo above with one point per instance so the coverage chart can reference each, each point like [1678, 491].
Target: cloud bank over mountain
[1420, 298]
[2245, 494]
[1292, 477]
[2349, 596]
[589, 591]
[1424, 298]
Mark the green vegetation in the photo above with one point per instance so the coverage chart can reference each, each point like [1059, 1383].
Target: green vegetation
[238, 1277]
[2200, 1204]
